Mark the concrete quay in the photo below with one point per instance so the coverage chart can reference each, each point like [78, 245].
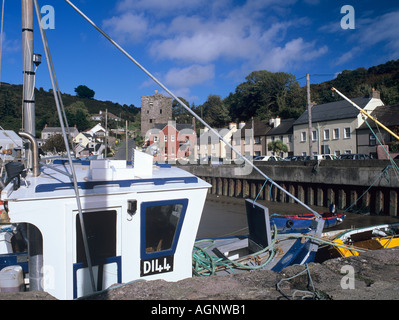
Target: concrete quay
[367, 185]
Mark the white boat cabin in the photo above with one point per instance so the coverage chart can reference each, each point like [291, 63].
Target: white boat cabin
[140, 219]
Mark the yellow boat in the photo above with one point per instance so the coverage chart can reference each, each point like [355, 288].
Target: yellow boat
[368, 238]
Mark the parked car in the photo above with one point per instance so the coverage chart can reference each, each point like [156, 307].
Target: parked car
[268, 158]
[210, 159]
[355, 156]
[322, 157]
[295, 158]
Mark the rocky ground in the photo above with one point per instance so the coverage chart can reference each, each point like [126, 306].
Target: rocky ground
[371, 276]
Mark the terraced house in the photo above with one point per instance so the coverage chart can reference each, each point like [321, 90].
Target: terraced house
[334, 126]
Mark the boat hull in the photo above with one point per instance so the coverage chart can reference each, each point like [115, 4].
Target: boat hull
[368, 238]
[303, 222]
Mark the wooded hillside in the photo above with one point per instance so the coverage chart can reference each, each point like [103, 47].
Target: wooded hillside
[78, 110]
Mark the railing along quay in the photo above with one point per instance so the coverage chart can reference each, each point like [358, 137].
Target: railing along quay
[360, 185]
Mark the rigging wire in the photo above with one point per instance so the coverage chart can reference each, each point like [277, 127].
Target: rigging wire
[60, 115]
[191, 111]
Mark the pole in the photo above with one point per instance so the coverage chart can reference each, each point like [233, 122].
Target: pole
[28, 98]
[127, 145]
[106, 132]
[365, 113]
[309, 114]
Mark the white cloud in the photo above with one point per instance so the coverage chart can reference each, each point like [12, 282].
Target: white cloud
[189, 76]
[198, 34]
[380, 31]
[127, 27]
[293, 52]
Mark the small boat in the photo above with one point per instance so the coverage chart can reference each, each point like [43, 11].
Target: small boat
[262, 248]
[368, 238]
[302, 222]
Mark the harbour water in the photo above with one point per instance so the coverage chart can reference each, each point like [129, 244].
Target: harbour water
[226, 216]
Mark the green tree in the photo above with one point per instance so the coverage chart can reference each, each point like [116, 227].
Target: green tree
[277, 146]
[84, 92]
[78, 114]
[179, 113]
[265, 94]
[215, 112]
[55, 144]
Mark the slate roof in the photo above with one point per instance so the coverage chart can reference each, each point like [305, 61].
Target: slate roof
[261, 128]
[333, 111]
[387, 115]
[286, 127]
[178, 126]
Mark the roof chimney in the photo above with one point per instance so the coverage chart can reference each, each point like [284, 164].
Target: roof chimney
[375, 94]
[277, 121]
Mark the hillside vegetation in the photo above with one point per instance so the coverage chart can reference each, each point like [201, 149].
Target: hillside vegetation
[263, 94]
[78, 110]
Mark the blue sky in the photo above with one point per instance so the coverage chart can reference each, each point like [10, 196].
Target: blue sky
[201, 47]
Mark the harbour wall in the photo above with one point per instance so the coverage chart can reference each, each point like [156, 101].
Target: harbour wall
[363, 185]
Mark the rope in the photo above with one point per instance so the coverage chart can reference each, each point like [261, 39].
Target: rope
[204, 264]
[389, 156]
[374, 182]
[312, 293]
[253, 205]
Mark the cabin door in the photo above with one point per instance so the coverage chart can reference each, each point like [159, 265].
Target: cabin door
[161, 223]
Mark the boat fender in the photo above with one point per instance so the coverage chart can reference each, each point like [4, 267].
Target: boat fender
[289, 223]
[379, 233]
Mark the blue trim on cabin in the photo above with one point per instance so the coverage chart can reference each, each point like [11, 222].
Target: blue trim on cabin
[63, 161]
[87, 185]
[172, 250]
[81, 265]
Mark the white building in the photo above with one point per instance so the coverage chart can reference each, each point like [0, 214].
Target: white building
[334, 126]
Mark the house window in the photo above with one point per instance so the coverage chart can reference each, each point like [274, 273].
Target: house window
[156, 138]
[335, 133]
[314, 135]
[172, 138]
[290, 138]
[257, 140]
[160, 111]
[281, 138]
[303, 136]
[165, 138]
[372, 140]
[348, 151]
[325, 149]
[150, 120]
[347, 133]
[337, 153]
[326, 134]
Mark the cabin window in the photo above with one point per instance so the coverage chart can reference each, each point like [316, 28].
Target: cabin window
[100, 229]
[161, 223]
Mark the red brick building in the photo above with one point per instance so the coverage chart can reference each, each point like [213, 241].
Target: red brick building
[172, 141]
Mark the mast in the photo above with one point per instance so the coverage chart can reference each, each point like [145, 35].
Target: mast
[28, 97]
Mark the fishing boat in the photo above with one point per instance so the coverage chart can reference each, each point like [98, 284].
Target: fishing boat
[262, 248]
[75, 227]
[368, 238]
[302, 222]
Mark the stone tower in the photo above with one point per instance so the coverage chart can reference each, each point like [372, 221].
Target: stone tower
[155, 109]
